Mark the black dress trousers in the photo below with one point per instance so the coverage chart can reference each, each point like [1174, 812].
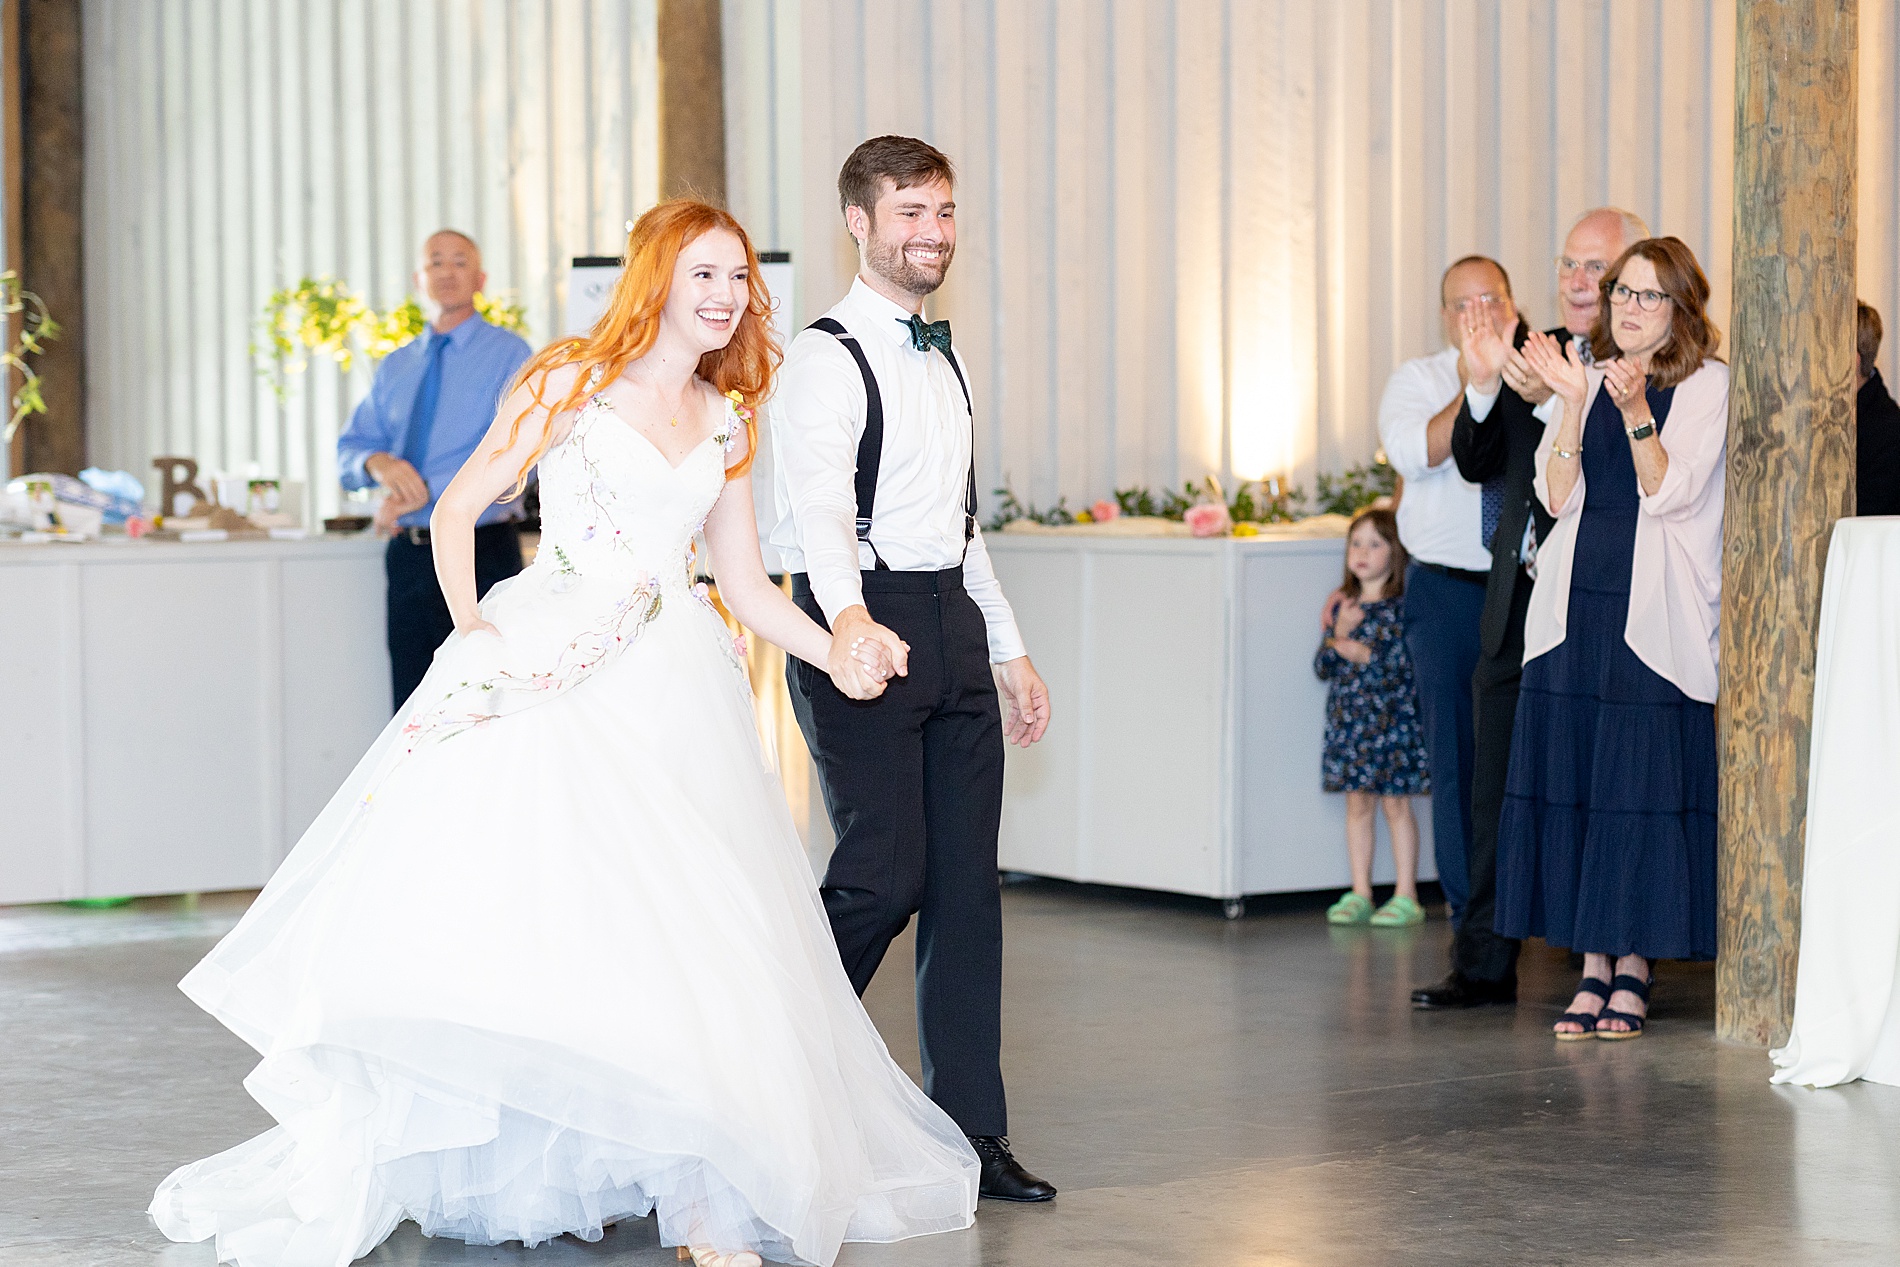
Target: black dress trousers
[913, 781]
[1477, 952]
[418, 615]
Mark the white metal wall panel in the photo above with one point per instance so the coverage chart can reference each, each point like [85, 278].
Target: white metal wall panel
[1196, 235]
[236, 145]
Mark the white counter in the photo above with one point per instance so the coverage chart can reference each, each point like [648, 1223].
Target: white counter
[176, 714]
[1184, 754]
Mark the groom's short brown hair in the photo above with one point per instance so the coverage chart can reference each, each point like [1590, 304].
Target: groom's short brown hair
[907, 161]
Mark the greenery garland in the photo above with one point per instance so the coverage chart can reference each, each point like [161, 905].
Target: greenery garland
[37, 329]
[1254, 501]
[322, 316]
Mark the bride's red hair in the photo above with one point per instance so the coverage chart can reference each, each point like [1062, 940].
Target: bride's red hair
[631, 324]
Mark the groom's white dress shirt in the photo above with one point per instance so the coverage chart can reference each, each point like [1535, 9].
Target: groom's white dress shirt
[818, 416]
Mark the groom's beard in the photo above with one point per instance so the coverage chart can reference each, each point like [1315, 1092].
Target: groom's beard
[888, 261]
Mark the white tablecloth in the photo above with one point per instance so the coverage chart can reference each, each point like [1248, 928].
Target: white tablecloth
[1847, 988]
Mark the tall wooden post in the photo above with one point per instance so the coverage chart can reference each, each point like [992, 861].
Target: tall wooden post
[52, 170]
[11, 196]
[1790, 472]
[692, 100]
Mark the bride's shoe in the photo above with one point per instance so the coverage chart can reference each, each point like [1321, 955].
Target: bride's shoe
[713, 1258]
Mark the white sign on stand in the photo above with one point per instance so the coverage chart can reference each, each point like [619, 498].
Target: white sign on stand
[590, 283]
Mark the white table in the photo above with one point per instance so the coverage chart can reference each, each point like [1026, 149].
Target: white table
[1847, 985]
[176, 714]
[1185, 750]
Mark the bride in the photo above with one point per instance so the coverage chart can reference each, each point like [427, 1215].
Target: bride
[553, 956]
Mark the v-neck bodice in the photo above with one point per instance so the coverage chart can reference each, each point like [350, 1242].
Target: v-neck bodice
[614, 508]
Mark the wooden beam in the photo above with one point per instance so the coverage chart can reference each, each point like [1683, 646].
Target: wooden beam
[52, 140]
[692, 101]
[1790, 472]
[10, 193]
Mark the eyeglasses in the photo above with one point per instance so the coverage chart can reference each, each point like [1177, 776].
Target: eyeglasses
[1595, 268]
[1647, 300]
[1475, 303]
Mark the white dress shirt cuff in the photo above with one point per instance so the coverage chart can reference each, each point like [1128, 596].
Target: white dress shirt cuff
[1479, 402]
[836, 589]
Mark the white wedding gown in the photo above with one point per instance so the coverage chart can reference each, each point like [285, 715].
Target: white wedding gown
[553, 956]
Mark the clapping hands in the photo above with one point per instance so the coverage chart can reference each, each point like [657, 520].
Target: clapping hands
[1558, 366]
[1485, 352]
[1629, 388]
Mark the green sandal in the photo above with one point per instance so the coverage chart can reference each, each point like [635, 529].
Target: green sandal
[1400, 912]
[1351, 908]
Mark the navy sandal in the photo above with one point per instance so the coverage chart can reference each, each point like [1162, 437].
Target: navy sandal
[1589, 985]
[1640, 989]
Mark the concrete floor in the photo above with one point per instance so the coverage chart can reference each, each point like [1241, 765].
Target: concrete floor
[1204, 1092]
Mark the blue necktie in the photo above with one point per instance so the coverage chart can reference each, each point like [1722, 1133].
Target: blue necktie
[1490, 507]
[415, 446]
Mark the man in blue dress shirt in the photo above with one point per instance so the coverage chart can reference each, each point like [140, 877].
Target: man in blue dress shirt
[430, 404]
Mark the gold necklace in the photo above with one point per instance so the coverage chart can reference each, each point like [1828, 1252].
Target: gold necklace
[679, 402]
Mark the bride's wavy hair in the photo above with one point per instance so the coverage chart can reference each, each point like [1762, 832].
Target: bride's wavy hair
[631, 324]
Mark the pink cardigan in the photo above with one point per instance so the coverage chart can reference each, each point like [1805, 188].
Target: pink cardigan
[1676, 574]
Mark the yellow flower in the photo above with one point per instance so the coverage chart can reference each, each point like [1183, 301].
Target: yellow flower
[1246, 530]
[1083, 517]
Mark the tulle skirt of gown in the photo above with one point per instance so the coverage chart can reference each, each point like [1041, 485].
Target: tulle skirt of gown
[557, 970]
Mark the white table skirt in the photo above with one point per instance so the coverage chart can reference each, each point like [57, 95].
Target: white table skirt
[178, 713]
[1847, 987]
[1184, 754]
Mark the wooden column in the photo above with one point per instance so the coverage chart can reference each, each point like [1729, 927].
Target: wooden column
[52, 117]
[10, 192]
[1790, 472]
[692, 101]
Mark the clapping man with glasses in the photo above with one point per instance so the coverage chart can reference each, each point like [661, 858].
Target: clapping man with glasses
[1494, 440]
[1439, 525]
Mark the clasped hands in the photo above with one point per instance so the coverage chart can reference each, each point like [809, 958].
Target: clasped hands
[864, 655]
[407, 490]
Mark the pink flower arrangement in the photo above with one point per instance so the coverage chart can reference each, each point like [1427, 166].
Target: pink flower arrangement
[1103, 511]
[1210, 519]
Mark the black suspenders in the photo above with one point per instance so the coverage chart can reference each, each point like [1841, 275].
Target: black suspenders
[871, 444]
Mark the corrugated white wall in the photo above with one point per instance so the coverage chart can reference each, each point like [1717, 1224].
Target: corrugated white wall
[1196, 235]
[235, 145]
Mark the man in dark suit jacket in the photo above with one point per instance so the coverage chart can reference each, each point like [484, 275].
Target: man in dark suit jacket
[1877, 428]
[1494, 442]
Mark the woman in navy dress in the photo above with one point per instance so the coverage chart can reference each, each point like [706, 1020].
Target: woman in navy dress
[1607, 840]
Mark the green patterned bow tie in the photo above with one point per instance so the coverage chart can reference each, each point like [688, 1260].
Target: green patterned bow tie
[925, 335]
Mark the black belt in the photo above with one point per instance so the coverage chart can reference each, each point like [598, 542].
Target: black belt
[1456, 574]
[420, 536]
[948, 581]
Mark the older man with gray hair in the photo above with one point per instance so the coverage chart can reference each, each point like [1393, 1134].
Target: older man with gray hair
[1494, 441]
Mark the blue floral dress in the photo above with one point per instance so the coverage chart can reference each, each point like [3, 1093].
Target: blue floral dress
[1374, 742]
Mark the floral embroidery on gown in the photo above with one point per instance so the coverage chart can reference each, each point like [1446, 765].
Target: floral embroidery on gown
[553, 955]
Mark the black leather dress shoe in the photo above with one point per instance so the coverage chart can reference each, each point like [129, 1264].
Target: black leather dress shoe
[1004, 1178]
[1457, 991]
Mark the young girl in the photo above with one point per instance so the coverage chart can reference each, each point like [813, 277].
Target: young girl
[1375, 751]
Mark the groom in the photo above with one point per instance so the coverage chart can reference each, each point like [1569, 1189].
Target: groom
[873, 430]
